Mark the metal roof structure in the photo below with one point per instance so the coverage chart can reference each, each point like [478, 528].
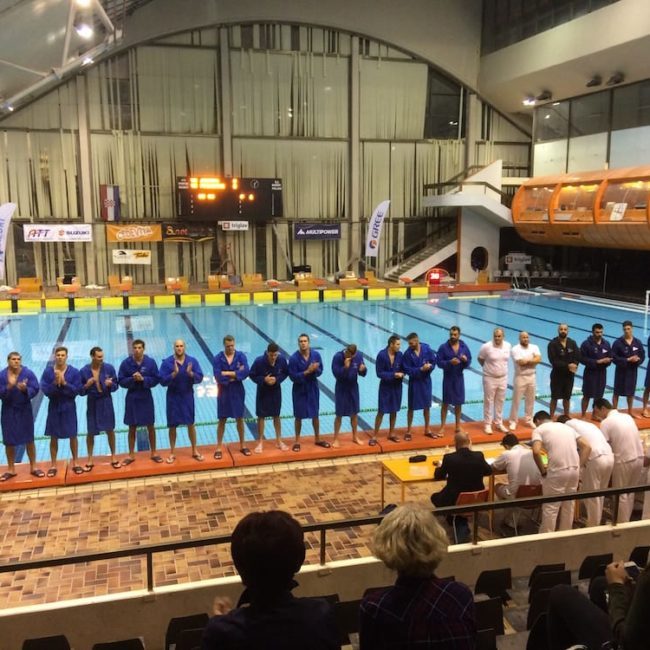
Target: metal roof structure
[45, 40]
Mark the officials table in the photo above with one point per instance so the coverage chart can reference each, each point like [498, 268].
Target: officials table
[406, 472]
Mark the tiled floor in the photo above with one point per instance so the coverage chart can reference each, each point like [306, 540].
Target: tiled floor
[107, 516]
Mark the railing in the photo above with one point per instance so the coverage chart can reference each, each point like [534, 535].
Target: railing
[149, 550]
[445, 226]
[506, 196]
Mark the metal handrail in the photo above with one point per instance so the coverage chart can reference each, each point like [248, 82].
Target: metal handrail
[150, 549]
[444, 226]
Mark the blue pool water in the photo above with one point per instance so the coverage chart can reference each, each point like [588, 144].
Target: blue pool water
[330, 326]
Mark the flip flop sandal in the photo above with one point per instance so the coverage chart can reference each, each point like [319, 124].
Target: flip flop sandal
[393, 438]
[88, 467]
[116, 464]
[78, 469]
[171, 459]
[372, 442]
[217, 455]
[6, 476]
[408, 437]
[38, 473]
[323, 443]
[127, 461]
[198, 457]
[296, 447]
[157, 459]
[51, 472]
[246, 451]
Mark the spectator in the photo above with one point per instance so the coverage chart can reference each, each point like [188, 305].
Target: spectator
[420, 610]
[268, 548]
[573, 618]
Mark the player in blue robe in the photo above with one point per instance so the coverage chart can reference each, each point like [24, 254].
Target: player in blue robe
[268, 372]
[230, 370]
[453, 357]
[628, 354]
[596, 356]
[98, 381]
[347, 367]
[305, 367]
[179, 373]
[18, 386]
[138, 373]
[388, 366]
[61, 383]
[419, 361]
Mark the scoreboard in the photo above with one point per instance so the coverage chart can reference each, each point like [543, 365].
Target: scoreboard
[211, 198]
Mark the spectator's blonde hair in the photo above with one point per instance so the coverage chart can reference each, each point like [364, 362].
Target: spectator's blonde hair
[410, 541]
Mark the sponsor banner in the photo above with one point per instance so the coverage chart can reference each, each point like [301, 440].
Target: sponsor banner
[374, 229]
[134, 232]
[518, 258]
[174, 232]
[6, 212]
[130, 256]
[109, 196]
[234, 225]
[618, 212]
[317, 231]
[57, 232]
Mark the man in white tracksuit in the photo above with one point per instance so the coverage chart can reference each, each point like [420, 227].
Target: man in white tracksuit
[493, 357]
[621, 432]
[598, 470]
[525, 357]
[561, 475]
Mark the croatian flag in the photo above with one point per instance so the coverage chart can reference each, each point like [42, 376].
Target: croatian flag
[109, 195]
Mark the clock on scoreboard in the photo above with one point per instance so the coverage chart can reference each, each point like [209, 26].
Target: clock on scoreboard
[210, 198]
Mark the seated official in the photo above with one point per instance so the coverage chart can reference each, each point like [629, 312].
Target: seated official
[268, 549]
[518, 462]
[464, 470]
[621, 621]
[420, 610]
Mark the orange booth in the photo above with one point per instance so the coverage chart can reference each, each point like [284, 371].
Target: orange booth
[604, 209]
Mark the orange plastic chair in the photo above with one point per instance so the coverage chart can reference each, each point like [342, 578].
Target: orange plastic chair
[526, 492]
[468, 498]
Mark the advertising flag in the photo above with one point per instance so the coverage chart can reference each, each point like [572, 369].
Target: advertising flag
[6, 212]
[374, 229]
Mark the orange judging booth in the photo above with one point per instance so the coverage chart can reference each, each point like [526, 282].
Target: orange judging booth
[604, 209]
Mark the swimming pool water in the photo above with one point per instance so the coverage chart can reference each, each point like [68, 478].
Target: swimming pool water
[330, 325]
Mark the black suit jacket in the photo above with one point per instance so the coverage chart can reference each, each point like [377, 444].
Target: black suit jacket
[464, 470]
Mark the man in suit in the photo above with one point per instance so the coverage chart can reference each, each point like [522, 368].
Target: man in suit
[464, 470]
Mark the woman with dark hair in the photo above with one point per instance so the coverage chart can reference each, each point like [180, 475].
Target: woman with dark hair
[268, 549]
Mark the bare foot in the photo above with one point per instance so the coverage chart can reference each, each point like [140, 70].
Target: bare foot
[356, 441]
[336, 443]
[646, 413]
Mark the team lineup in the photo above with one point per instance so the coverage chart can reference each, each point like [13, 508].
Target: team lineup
[138, 373]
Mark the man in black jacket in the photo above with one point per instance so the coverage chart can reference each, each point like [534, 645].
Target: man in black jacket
[564, 357]
[464, 470]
